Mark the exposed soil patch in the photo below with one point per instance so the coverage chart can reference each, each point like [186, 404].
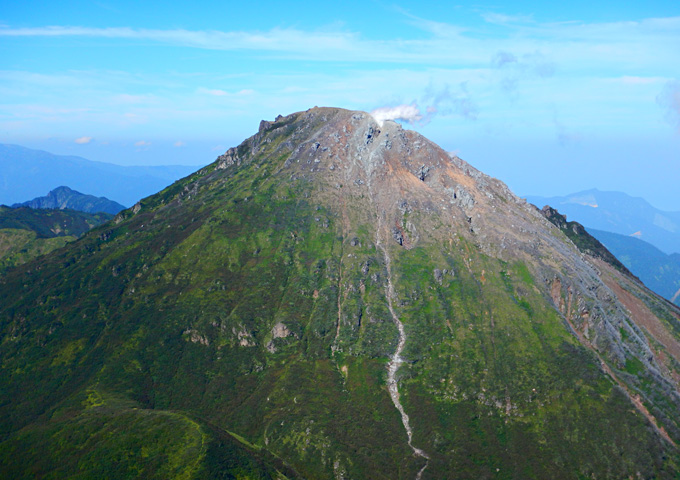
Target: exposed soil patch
[643, 317]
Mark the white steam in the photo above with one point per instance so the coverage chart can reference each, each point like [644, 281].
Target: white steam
[407, 113]
[442, 101]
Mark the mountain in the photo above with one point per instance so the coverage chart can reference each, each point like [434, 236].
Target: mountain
[658, 271]
[335, 298]
[26, 233]
[619, 213]
[64, 198]
[27, 173]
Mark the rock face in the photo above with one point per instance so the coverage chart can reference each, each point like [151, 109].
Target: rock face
[351, 299]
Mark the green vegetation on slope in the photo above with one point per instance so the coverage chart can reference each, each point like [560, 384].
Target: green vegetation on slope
[19, 246]
[47, 223]
[113, 438]
[28, 233]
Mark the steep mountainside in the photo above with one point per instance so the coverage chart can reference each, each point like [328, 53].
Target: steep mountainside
[335, 298]
[64, 198]
[583, 240]
[27, 173]
[658, 271]
[619, 213]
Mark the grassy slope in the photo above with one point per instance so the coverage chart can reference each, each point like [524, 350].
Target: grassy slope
[502, 390]
[47, 223]
[181, 300]
[27, 233]
[18, 246]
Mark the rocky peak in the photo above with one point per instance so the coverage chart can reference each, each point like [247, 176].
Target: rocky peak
[65, 198]
[418, 195]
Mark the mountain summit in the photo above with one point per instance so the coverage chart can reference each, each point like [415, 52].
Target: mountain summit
[65, 198]
[335, 298]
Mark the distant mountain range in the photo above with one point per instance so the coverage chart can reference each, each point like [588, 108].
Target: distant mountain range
[27, 173]
[619, 213]
[65, 198]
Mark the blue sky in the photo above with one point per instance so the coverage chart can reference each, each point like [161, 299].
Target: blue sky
[551, 99]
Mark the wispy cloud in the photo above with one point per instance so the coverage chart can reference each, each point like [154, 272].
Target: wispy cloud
[216, 92]
[83, 140]
[636, 80]
[514, 68]
[275, 40]
[669, 99]
[583, 68]
[213, 91]
[128, 99]
[142, 143]
[645, 42]
[179, 144]
[502, 19]
[450, 101]
[564, 135]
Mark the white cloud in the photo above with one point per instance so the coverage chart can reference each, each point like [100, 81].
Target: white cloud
[142, 143]
[83, 140]
[180, 144]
